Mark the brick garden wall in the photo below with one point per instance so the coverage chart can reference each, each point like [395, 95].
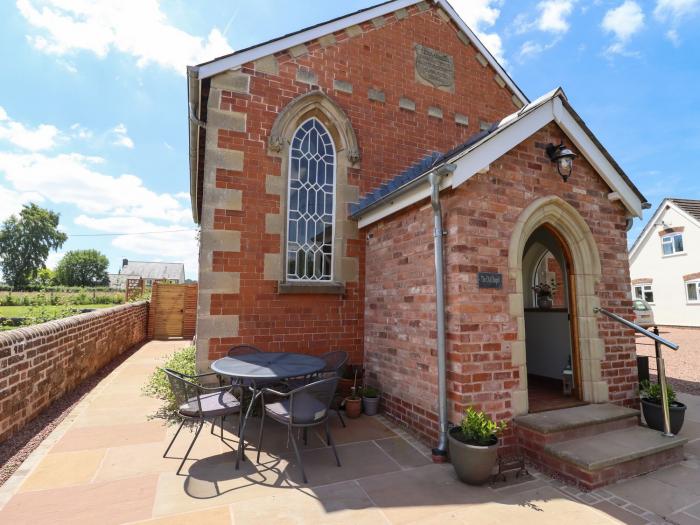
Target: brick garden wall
[40, 363]
[480, 215]
[368, 71]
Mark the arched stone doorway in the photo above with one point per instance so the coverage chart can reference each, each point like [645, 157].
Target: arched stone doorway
[584, 273]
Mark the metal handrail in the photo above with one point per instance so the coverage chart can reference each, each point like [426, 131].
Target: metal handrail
[660, 367]
[637, 328]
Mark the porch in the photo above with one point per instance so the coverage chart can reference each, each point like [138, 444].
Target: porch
[104, 464]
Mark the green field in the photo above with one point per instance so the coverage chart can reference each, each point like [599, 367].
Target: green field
[30, 311]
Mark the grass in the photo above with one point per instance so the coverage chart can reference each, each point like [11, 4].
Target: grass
[29, 311]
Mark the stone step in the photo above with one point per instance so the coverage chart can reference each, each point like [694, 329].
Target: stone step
[613, 448]
[568, 423]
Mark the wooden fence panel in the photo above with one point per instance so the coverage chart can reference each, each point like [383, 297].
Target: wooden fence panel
[173, 311]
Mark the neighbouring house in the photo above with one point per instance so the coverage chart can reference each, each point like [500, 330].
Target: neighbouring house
[150, 272]
[330, 166]
[117, 281]
[665, 263]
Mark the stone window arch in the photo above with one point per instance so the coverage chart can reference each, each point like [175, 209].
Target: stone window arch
[328, 119]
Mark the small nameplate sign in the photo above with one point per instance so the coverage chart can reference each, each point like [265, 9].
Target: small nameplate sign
[490, 280]
[435, 67]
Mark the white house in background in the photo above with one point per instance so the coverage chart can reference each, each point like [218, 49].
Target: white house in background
[153, 271]
[665, 263]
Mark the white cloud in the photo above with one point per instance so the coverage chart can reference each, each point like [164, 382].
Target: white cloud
[532, 48]
[135, 27]
[554, 15]
[11, 201]
[167, 245]
[623, 22]
[675, 10]
[120, 136]
[42, 137]
[480, 15]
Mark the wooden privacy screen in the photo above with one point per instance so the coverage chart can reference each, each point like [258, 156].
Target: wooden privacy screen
[173, 310]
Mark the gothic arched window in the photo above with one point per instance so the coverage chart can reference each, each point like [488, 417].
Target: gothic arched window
[311, 204]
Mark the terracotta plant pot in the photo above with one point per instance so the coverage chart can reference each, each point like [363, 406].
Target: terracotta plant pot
[353, 407]
[370, 405]
[473, 463]
[654, 415]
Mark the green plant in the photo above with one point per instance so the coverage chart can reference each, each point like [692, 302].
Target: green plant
[370, 391]
[158, 386]
[479, 429]
[652, 392]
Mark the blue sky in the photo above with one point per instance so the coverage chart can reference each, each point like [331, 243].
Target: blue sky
[93, 119]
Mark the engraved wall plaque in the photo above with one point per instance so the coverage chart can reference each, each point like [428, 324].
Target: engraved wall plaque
[434, 67]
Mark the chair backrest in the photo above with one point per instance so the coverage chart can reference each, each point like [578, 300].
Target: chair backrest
[243, 350]
[184, 391]
[309, 404]
[335, 363]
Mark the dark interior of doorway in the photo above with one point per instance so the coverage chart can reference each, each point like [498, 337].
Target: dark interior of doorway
[546, 393]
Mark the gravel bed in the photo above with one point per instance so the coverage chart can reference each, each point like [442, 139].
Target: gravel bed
[683, 365]
[21, 444]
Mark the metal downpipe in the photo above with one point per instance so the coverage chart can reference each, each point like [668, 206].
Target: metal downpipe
[440, 451]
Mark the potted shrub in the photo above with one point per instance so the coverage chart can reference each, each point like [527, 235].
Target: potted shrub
[544, 294]
[653, 410]
[353, 403]
[370, 400]
[474, 446]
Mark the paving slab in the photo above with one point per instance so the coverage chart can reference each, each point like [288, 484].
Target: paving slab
[571, 418]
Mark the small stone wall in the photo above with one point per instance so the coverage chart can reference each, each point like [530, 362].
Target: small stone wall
[40, 363]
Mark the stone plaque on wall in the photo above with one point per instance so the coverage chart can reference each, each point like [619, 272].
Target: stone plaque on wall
[434, 67]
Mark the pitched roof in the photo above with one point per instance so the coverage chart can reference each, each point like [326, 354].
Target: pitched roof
[483, 148]
[242, 56]
[154, 270]
[691, 207]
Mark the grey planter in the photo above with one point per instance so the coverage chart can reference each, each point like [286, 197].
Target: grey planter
[654, 415]
[473, 464]
[370, 405]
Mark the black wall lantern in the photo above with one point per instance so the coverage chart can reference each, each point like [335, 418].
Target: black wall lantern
[564, 158]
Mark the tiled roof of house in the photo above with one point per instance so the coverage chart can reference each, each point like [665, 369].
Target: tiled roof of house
[691, 207]
[154, 270]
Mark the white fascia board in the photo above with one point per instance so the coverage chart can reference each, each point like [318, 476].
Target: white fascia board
[648, 229]
[231, 62]
[483, 50]
[416, 194]
[597, 159]
[494, 146]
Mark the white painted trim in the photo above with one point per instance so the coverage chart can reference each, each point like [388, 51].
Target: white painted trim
[236, 60]
[416, 194]
[514, 130]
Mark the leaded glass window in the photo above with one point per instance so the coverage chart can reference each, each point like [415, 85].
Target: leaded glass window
[311, 204]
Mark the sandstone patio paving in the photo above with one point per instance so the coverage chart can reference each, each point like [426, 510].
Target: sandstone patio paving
[105, 466]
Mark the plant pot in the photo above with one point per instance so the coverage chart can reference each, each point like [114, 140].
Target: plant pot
[654, 415]
[473, 463]
[370, 405]
[544, 302]
[353, 407]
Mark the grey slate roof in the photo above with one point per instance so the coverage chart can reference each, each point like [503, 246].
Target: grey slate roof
[154, 270]
[690, 206]
[417, 170]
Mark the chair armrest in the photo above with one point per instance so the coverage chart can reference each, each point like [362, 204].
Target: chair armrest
[276, 392]
[224, 388]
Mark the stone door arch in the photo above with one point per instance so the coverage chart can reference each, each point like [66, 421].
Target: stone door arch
[559, 216]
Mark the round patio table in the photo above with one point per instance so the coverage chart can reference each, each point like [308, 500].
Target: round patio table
[261, 369]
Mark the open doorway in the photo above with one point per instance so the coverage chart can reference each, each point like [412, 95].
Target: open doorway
[551, 354]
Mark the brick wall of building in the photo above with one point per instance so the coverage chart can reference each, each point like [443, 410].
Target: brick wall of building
[480, 217]
[368, 71]
[40, 363]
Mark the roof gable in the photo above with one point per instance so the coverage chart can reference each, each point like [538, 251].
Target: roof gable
[475, 156]
[685, 207]
[238, 58]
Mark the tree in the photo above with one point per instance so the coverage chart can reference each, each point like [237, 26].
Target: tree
[83, 268]
[25, 242]
[44, 277]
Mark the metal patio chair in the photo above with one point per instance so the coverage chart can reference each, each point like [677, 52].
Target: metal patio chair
[200, 403]
[303, 407]
[335, 365]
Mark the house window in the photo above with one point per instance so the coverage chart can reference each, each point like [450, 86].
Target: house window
[311, 209]
[672, 243]
[692, 290]
[644, 292]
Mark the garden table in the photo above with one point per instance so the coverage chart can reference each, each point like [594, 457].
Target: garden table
[260, 369]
